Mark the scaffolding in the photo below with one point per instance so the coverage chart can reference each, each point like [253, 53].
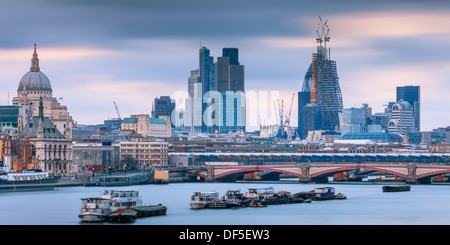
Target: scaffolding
[325, 89]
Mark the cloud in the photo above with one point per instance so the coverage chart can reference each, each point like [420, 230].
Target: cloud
[53, 53]
[383, 24]
[90, 97]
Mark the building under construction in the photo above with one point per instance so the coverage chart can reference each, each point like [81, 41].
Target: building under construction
[321, 88]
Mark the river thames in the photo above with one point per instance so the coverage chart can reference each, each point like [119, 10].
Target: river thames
[366, 204]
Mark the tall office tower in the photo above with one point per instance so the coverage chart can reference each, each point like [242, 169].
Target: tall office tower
[322, 84]
[231, 84]
[304, 98]
[325, 90]
[208, 82]
[411, 94]
[193, 82]
[206, 71]
[193, 105]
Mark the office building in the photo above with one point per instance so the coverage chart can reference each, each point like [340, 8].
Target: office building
[411, 94]
[322, 82]
[311, 118]
[231, 85]
[401, 118]
[9, 118]
[163, 106]
[146, 153]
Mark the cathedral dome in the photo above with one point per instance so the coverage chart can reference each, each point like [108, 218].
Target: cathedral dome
[35, 79]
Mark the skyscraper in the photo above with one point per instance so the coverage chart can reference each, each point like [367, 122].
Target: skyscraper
[411, 94]
[231, 84]
[207, 78]
[206, 71]
[322, 82]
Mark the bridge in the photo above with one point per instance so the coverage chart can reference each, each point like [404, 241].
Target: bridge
[317, 157]
[412, 173]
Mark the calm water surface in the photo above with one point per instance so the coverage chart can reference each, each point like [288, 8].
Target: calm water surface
[366, 204]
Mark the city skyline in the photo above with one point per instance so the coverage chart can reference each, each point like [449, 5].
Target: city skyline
[97, 53]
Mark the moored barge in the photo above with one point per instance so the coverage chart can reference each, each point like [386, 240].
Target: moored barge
[396, 188]
[118, 206]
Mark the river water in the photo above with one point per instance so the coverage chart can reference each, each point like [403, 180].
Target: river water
[366, 204]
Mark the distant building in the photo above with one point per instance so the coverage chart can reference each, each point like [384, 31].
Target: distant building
[33, 86]
[163, 106]
[322, 83]
[146, 153]
[402, 118]
[303, 100]
[49, 150]
[143, 125]
[95, 154]
[231, 85]
[311, 118]
[9, 118]
[411, 94]
[159, 128]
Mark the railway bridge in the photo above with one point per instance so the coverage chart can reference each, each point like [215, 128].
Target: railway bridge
[307, 172]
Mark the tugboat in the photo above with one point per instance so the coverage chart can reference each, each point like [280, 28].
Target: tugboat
[201, 200]
[396, 188]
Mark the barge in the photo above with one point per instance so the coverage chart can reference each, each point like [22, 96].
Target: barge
[117, 206]
[200, 200]
[28, 181]
[396, 188]
[326, 193]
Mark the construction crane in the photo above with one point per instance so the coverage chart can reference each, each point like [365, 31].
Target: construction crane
[117, 111]
[288, 120]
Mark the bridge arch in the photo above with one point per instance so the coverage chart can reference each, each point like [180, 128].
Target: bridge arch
[291, 170]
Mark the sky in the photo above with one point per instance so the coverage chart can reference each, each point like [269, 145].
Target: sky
[99, 52]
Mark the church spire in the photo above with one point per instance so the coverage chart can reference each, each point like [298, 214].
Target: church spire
[35, 61]
[41, 109]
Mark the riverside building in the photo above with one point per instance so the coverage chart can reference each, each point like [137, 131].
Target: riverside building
[146, 153]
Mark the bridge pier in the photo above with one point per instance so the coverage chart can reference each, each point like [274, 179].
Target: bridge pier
[210, 174]
[412, 176]
[305, 170]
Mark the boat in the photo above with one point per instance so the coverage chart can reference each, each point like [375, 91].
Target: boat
[28, 181]
[119, 206]
[326, 193]
[123, 215]
[120, 180]
[201, 200]
[150, 210]
[94, 209]
[235, 199]
[260, 193]
[396, 188]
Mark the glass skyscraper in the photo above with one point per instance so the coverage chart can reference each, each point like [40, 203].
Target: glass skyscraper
[231, 85]
[411, 94]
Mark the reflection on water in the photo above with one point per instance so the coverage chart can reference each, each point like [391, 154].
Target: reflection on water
[366, 204]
